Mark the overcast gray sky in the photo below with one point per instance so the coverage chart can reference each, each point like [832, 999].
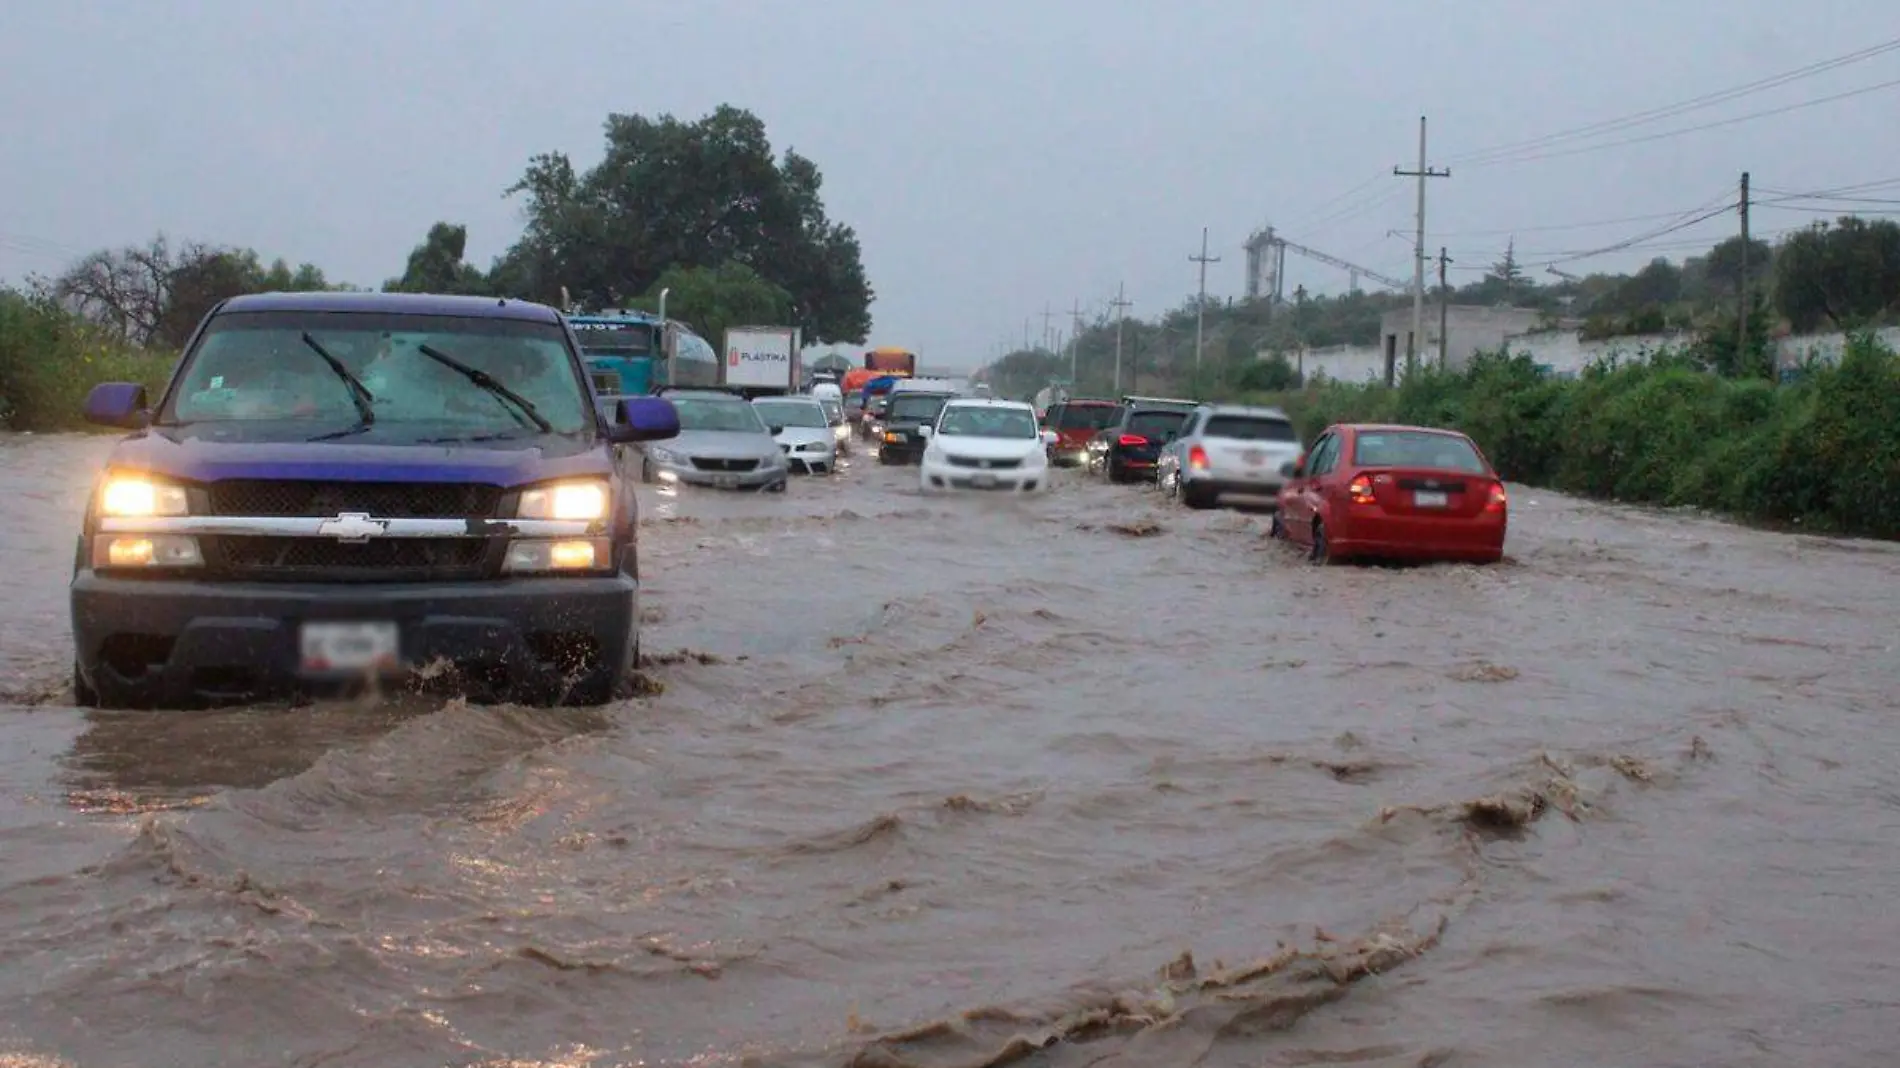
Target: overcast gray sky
[994, 155]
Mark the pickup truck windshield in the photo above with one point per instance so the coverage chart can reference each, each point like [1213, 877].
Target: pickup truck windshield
[259, 367]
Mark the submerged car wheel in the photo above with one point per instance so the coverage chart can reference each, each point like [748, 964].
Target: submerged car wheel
[1322, 550]
[1275, 528]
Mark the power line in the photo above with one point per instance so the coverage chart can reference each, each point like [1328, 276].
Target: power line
[1682, 107]
[1666, 134]
[1631, 242]
[1573, 226]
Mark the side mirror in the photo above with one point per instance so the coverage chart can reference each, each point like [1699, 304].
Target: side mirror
[1299, 468]
[644, 419]
[926, 431]
[775, 431]
[1050, 437]
[117, 404]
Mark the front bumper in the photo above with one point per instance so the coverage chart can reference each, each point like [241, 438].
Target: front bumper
[810, 460]
[683, 471]
[180, 642]
[908, 451]
[935, 476]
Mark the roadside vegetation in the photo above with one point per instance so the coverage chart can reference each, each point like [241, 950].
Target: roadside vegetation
[703, 208]
[1821, 453]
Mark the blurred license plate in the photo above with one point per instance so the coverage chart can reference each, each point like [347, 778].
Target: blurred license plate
[1253, 456]
[1428, 499]
[349, 646]
[725, 481]
[983, 480]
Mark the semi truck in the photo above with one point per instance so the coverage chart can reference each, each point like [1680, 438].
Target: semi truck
[632, 353]
[762, 360]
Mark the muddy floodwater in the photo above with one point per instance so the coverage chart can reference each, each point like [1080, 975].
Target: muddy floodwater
[1084, 780]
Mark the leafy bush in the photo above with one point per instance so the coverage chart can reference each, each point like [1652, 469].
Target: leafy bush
[49, 360]
[1823, 451]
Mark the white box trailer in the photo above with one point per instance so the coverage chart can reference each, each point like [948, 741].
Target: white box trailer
[762, 359]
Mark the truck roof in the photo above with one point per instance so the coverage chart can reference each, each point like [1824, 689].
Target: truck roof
[394, 304]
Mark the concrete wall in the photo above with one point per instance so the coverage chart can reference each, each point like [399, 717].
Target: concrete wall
[1562, 350]
[1469, 329]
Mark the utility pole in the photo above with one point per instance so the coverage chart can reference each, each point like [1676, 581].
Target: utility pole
[1444, 309]
[1075, 337]
[1048, 332]
[1200, 304]
[1742, 303]
[1299, 331]
[1119, 304]
[1418, 249]
[1025, 333]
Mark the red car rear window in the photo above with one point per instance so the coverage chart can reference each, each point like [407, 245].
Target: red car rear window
[1416, 448]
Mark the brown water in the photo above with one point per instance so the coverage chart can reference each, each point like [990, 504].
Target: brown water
[950, 782]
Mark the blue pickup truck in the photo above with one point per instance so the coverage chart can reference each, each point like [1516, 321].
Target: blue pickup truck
[343, 489]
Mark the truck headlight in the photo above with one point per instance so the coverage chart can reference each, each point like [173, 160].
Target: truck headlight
[579, 499]
[141, 497]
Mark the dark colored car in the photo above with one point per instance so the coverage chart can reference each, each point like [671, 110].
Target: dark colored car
[1395, 492]
[1129, 448]
[871, 418]
[910, 411]
[1074, 423]
[336, 489]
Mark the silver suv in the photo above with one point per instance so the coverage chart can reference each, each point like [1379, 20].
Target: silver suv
[1229, 450]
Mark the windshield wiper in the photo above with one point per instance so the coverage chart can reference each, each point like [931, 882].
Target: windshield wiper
[359, 393]
[490, 383]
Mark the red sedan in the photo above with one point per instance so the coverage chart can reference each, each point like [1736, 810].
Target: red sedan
[1394, 492]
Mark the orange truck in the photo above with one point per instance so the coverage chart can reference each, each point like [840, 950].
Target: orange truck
[891, 360]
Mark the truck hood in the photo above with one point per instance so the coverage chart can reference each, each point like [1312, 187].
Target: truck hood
[209, 452]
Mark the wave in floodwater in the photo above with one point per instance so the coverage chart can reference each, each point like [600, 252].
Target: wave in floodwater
[940, 782]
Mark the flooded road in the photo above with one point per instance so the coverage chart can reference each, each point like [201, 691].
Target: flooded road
[950, 782]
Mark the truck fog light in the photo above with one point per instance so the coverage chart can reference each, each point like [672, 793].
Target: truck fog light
[146, 550]
[579, 554]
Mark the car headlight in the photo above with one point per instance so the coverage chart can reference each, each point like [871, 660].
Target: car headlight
[579, 499]
[662, 455]
[141, 497]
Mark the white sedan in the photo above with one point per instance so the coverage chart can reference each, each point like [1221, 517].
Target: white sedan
[985, 444]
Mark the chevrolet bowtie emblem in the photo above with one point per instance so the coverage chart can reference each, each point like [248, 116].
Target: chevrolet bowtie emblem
[352, 526]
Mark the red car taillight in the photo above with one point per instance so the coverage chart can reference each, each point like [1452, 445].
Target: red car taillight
[1131, 440]
[1360, 490]
[1197, 458]
[1499, 501]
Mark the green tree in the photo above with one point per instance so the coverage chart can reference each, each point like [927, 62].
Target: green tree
[671, 194]
[437, 265]
[710, 299]
[1843, 274]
